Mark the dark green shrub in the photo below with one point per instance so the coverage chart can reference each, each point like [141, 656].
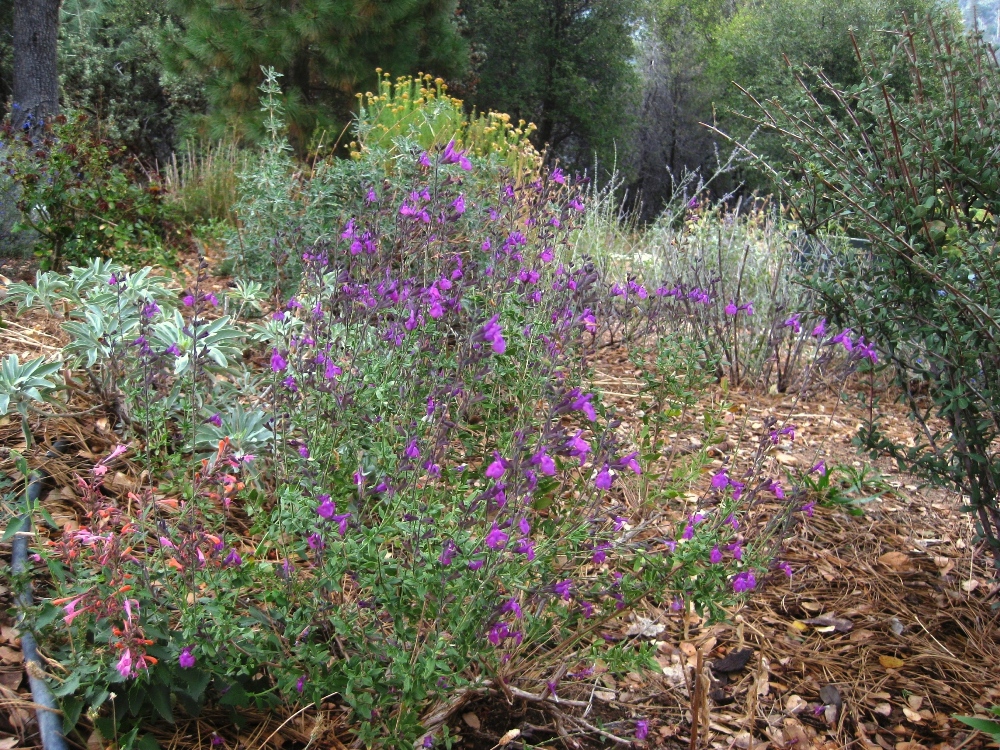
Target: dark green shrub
[912, 166]
[83, 195]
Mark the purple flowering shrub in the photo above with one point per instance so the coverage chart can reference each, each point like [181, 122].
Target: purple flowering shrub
[410, 489]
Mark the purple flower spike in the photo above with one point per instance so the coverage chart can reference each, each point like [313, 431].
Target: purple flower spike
[186, 659]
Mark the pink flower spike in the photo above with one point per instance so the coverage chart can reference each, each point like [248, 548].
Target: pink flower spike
[124, 665]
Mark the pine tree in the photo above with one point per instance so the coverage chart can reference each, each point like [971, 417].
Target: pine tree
[566, 65]
[326, 51]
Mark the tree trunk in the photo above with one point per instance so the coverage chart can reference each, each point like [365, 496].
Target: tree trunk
[36, 81]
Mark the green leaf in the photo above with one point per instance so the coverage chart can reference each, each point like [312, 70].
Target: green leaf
[71, 706]
[21, 523]
[159, 696]
[987, 726]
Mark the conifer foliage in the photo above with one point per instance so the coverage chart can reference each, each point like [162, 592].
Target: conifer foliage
[326, 50]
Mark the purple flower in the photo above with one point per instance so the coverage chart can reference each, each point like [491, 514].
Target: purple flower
[428, 741]
[556, 175]
[563, 589]
[150, 309]
[448, 553]
[604, 479]
[215, 419]
[820, 329]
[492, 334]
[577, 205]
[544, 462]
[372, 197]
[424, 160]
[720, 481]
[233, 558]
[278, 363]
[326, 508]
[819, 468]
[777, 489]
[731, 308]
[304, 450]
[211, 299]
[737, 549]
[794, 323]
[786, 568]
[300, 684]
[600, 553]
[844, 338]
[641, 729]
[476, 564]
[459, 205]
[716, 555]
[412, 452]
[315, 542]
[745, 581]
[341, 521]
[186, 659]
[496, 469]
[677, 604]
[808, 508]
[188, 300]
[217, 740]
[578, 447]
[512, 606]
[496, 539]
[173, 349]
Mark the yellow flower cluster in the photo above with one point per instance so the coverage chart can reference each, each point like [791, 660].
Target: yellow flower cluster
[420, 109]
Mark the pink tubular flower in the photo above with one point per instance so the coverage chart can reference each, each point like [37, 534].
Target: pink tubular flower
[124, 665]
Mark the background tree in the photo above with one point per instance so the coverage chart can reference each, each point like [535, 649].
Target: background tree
[110, 66]
[566, 65]
[326, 51]
[35, 92]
